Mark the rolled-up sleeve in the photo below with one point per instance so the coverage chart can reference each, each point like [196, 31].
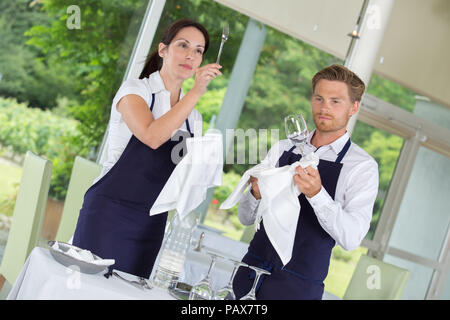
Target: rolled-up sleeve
[248, 205]
[348, 223]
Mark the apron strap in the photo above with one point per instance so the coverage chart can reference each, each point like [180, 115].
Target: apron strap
[151, 109]
[153, 102]
[187, 126]
[343, 151]
[340, 154]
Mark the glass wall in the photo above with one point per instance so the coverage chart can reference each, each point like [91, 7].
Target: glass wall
[446, 292]
[419, 281]
[385, 148]
[423, 220]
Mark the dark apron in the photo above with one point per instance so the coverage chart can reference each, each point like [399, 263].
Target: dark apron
[115, 221]
[302, 278]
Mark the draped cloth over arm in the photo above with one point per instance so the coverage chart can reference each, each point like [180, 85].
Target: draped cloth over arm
[279, 206]
[199, 170]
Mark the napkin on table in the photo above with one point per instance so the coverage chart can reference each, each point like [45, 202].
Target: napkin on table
[84, 255]
[200, 169]
[279, 205]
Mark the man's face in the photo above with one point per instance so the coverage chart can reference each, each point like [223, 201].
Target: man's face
[332, 107]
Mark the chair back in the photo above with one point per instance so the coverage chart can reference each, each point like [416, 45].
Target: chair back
[376, 280]
[28, 216]
[83, 175]
[248, 234]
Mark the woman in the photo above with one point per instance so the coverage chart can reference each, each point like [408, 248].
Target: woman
[114, 220]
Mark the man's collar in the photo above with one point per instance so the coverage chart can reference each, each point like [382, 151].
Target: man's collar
[336, 145]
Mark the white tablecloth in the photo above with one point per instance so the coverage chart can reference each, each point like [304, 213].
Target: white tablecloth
[43, 278]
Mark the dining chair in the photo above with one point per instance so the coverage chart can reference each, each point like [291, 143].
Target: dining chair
[28, 215]
[83, 175]
[374, 279]
[248, 234]
[5, 288]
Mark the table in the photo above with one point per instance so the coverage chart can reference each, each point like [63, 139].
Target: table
[43, 278]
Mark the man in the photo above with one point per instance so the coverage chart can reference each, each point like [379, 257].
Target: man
[336, 200]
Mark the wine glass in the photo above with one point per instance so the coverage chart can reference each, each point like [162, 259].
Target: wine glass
[202, 290]
[227, 293]
[296, 130]
[252, 294]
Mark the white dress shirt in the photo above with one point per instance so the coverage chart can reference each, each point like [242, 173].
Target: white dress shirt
[347, 218]
[119, 134]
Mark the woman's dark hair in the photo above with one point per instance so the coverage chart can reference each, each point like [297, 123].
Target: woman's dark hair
[154, 61]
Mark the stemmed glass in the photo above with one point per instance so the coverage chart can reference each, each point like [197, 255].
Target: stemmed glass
[202, 290]
[252, 294]
[296, 130]
[227, 293]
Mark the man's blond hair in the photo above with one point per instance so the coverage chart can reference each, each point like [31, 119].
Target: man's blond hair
[336, 72]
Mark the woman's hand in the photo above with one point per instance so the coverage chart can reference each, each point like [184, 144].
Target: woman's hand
[204, 75]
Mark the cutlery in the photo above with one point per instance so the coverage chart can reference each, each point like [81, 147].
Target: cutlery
[145, 284]
[142, 284]
[225, 33]
[199, 246]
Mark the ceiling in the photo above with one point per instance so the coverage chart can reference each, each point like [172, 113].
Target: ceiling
[415, 51]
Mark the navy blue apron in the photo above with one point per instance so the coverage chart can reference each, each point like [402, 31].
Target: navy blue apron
[302, 278]
[114, 221]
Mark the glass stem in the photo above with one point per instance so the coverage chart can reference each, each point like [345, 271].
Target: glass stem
[213, 262]
[232, 275]
[255, 283]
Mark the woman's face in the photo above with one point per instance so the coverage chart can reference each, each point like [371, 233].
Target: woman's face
[184, 54]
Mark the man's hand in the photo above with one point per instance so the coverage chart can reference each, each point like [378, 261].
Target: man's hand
[308, 181]
[255, 189]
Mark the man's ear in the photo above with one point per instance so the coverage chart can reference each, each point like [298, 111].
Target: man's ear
[354, 108]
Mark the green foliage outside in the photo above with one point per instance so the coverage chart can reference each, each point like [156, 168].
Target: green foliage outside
[210, 103]
[26, 73]
[43, 133]
[9, 185]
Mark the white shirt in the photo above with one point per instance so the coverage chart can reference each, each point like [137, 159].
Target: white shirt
[119, 134]
[347, 218]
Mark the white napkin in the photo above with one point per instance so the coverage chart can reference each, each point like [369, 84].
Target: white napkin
[200, 169]
[279, 206]
[84, 255]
